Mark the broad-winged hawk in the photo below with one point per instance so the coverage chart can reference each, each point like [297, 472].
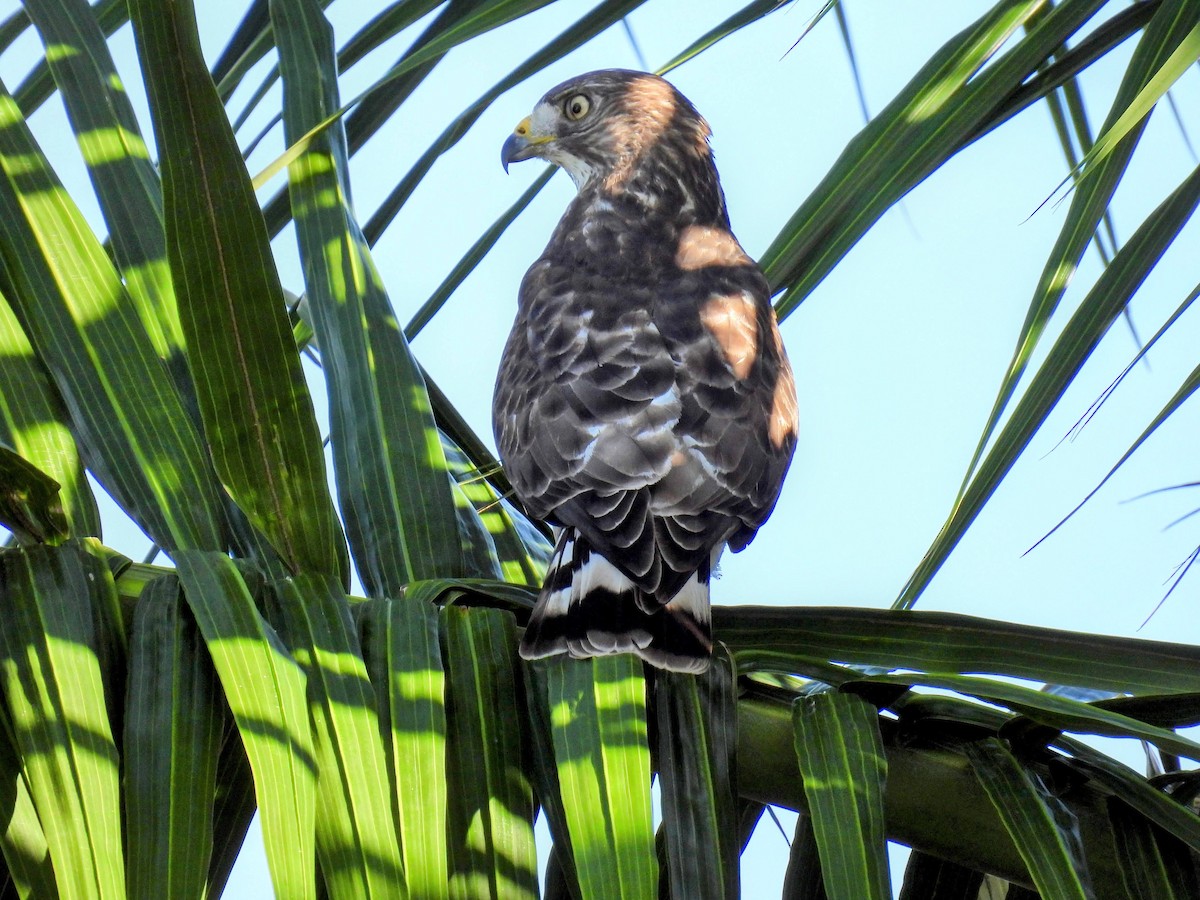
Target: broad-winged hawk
[644, 403]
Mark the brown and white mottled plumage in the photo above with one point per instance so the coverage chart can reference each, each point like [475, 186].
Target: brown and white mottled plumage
[644, 402]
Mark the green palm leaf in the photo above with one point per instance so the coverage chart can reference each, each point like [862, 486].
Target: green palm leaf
[34, 423]
[1044, 843]
[392, 475]
[1153, 863]
[697, 775]
[169, 783]
[491, 800]
[76, 310]
[1096, 313]
[257, 412]
[119, 165]
[773, 639]
[404, 659]
[265, 689]
[52, 677]
[598, 722]
[357, 843]
[844, 767]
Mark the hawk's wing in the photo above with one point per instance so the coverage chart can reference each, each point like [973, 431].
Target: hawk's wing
[641, 415]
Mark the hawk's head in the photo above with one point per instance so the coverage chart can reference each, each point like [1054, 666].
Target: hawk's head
[603, 125]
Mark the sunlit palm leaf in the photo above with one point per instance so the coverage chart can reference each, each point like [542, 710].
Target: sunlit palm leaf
[598, 723]
[491, 799]
[23, 842]
[562, 879]
[52, 677]
[119, 165]
[519, 551]
[266, 692]
[38, 85]
[173, 725]
[404, 659]
[34, 423]
[257, 412]
[393, 479]
[1183, 53]
[130, 196]
[137, 439]
[357, 842]
[841, 759]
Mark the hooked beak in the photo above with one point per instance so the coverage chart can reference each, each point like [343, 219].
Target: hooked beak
[522, 144]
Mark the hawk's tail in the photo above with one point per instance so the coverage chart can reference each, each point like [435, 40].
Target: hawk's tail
[588, 607]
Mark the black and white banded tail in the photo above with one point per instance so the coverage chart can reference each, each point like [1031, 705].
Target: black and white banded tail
[588, 607]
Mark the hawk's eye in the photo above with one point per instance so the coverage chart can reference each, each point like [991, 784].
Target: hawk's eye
[576, 107]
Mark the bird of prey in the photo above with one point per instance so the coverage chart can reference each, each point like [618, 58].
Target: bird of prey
[644, 404]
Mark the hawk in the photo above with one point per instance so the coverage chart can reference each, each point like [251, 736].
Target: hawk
[644, 404]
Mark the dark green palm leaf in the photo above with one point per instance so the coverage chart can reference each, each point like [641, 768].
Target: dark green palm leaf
[258, 415]
[169, 783]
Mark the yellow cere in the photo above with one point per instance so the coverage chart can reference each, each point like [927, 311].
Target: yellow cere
[524, 130]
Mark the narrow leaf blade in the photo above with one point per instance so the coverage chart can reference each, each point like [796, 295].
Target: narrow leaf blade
[257, 413]
[52, 679]
[1031, 824]
[392, 474]
[1153, 862]
[118, 162]
[697, 743]
[773, 638]
[491, 802]
[1081, 335]
[174, 717]
[266, 692]
[841, 758]
[404, 659]
[598, 721]
[357, 843]
[78, 314]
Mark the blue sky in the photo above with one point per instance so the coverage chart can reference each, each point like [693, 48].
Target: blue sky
[898, 353]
